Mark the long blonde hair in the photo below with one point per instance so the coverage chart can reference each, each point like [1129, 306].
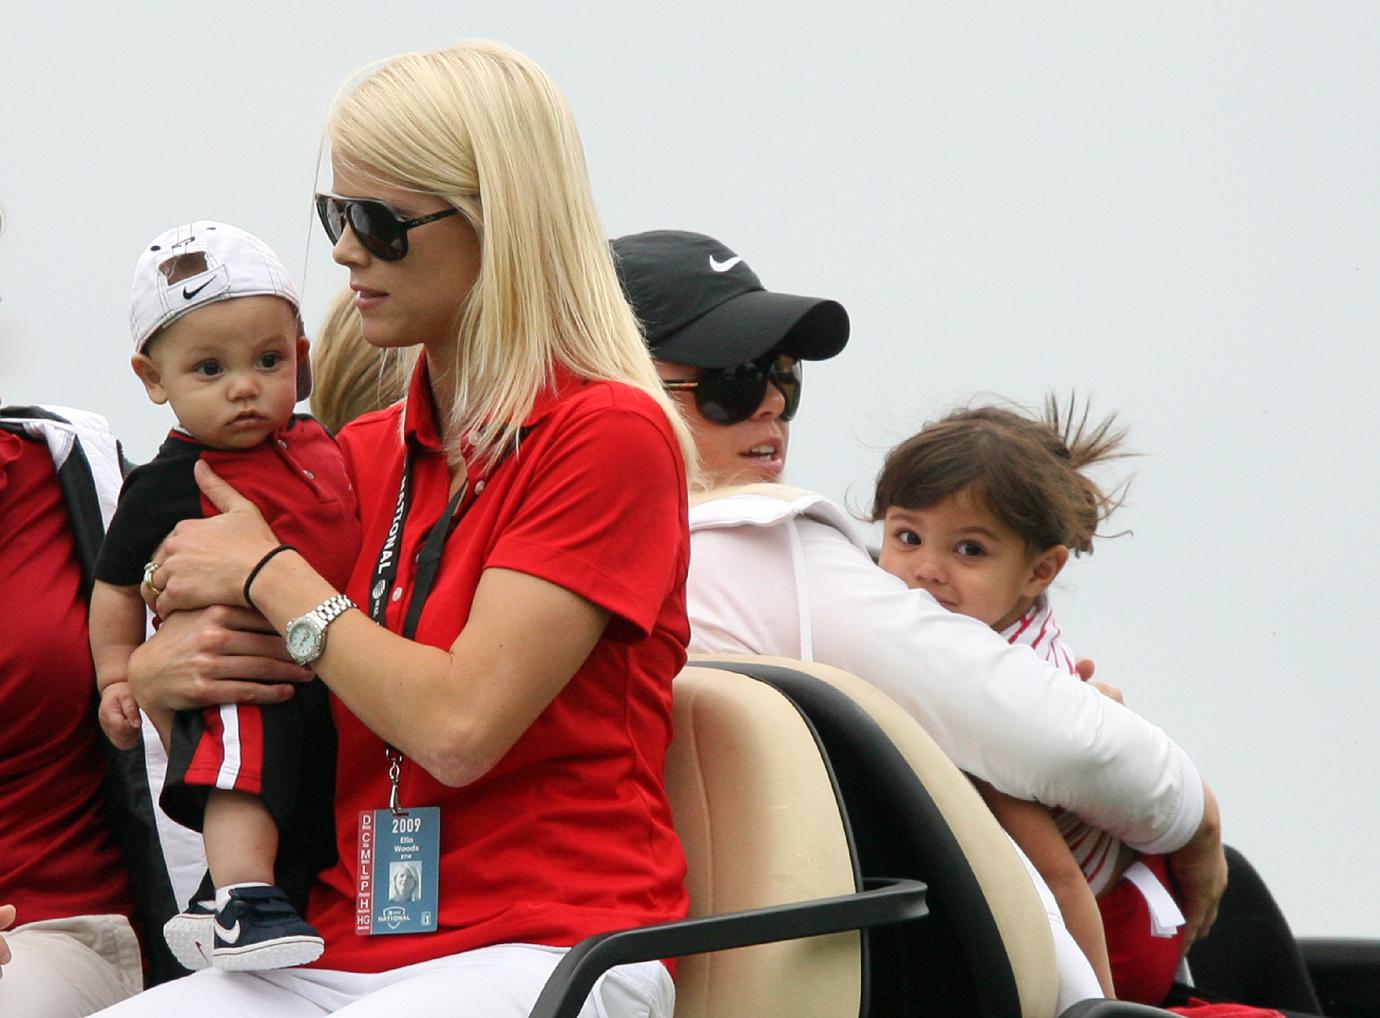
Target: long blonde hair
[483, 127]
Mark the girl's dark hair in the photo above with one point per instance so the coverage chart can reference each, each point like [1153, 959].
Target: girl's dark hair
[1027, 471]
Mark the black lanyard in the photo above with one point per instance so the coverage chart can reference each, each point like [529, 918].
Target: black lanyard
[433, 546]
[428, 560]
[386, 572]
[428, 564]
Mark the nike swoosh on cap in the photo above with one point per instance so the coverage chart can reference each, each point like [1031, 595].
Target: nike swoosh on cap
[719, 266]
[188, 294]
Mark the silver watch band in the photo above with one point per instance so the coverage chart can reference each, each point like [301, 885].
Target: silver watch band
[332, 608]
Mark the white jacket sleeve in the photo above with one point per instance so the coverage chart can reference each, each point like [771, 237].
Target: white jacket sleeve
[996, 710]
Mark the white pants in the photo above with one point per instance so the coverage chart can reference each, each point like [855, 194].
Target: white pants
[69, 968]
[502, 981]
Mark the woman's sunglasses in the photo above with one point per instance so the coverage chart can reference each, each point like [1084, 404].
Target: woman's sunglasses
[381, 229]
[731, 395]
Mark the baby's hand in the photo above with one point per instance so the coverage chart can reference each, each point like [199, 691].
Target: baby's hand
[119, 716]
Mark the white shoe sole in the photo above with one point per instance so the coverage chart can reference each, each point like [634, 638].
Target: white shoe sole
[190, 937]
[285, 952]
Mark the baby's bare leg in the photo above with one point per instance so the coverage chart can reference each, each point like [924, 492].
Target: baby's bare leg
[241, 838]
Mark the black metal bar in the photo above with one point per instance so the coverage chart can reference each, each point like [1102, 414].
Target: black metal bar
[1113, 1009]
[565, 992]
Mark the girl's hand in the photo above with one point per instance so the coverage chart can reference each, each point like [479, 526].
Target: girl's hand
[1086, 666]
[1109, 691]
[205, 562]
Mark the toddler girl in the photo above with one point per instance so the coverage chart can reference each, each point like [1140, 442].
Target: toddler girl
[982, 509]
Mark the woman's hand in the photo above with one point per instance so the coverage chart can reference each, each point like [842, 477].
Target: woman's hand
[6, 921]
[205, 562]
[1200, 871]
[210, 656]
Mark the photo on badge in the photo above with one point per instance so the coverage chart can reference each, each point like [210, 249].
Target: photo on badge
[404, 881]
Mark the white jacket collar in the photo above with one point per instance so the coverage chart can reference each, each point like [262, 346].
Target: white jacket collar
[766, 505]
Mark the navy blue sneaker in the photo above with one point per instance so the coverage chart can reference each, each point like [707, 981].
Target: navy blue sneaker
[189, 933]
[259, 929]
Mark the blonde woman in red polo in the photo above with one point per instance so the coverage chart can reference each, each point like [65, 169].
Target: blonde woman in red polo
[501, 659]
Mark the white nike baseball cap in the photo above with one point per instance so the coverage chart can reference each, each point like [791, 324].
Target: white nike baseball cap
[700, 304]
[226, 262]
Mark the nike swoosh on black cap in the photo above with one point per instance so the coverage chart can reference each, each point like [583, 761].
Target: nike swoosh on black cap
[700, 304]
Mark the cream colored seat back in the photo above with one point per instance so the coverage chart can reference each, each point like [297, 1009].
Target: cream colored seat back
[757, 813]
[1014, 904]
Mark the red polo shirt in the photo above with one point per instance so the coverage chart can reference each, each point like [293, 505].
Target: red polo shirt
[570, 833]
[58, 857]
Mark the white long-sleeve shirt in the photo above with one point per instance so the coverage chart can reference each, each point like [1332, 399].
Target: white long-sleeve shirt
[778, 571]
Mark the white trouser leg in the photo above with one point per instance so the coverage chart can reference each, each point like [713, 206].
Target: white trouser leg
[502, 981]
[211, 993]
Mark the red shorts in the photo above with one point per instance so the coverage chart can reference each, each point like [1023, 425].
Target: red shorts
[1143, 965]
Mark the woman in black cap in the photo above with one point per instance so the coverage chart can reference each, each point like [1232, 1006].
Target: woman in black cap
[729, 351]
[728, 348]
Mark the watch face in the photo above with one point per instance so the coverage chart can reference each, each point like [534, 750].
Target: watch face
[303, 640]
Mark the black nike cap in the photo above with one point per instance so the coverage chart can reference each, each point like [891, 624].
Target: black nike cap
[700, 304]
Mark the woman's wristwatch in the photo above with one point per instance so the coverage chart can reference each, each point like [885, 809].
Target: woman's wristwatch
[306, 634]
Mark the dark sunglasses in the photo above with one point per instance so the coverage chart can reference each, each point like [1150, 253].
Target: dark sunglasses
[731, 395]
[381, 229]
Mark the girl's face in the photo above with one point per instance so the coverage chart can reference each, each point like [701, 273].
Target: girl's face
[418, 298]
[969, 561]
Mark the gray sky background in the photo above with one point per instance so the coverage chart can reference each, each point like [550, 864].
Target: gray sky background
[1172, 208]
